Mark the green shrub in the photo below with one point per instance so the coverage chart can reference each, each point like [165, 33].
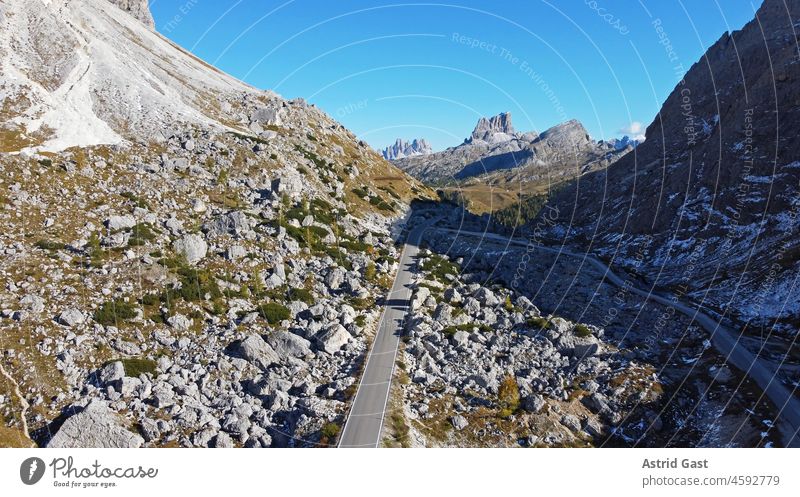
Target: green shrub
[360, 304]
[381, 204]
[140, 234]
[151, 299]
[439, 267]
[361, 192]
[330, 430]
[538, 322]
[114, 311]
[137, 201]
[274, 312]
[302, 295]
[581, 330]
[522, 212]
[354, 245]
[196, 283]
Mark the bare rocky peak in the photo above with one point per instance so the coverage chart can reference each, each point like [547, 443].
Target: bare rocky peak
[486, 129]
[139, 9]
[83, 72]
[496, 146]
[567, 135]
[401, 149]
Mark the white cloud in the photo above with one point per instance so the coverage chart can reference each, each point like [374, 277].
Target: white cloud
[634, 130]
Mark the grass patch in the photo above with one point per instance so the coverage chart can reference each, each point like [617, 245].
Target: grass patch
[400, 430]
[114, 311]
[135, 367]
[50, 245]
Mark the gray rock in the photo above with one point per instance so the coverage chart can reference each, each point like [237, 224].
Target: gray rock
[235, 252]
[233, 223]
[533, 403]
[333, 338]
[71, 317]
[179, 322]
[452, 296]
[459, 422]
[256, 351]
[335, 278]
[223, 441]
[192, 247]
[461, 338]
[139, 9]
[33, 303]
[286, 343]
[487, 297]
[111, 373]
[95, 426]
[571, 422]
[120, 222]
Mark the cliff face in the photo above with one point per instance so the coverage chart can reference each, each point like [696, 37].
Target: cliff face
[487, 128]
[139, 9]
[713, 192]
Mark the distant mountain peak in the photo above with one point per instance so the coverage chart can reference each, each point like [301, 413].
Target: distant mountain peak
[496, 128]
[402, 149]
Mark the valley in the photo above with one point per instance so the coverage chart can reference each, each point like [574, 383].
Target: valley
[190, 261]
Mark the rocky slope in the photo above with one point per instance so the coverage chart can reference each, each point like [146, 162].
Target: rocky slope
[81, 73]
[633, 374]
[186, 260]
[402, 149]
[139, 9]
[711, 198]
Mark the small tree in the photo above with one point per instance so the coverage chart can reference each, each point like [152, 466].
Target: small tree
[508, 396]
[507, 304]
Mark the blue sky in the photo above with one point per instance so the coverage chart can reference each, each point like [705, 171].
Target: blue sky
[389, 69]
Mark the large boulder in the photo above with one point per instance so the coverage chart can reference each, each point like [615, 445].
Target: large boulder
[111, 373]
[71, 317]
[255, 350]
[333, 338]
[234, 223]
[487, 297]
[95, 426]
[120, 222]
[192, 247]
[287, 344]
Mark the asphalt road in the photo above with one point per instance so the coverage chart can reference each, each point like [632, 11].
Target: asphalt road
[724, 340]
[365, 421]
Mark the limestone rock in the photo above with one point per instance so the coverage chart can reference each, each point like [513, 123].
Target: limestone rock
[96, 426]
